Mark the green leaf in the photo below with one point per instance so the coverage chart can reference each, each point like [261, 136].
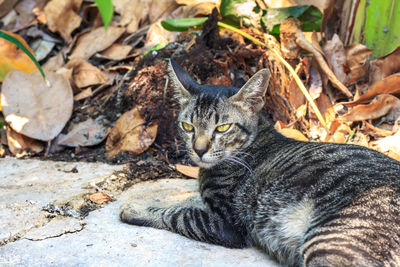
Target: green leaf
[377, 25]
[311, 19]
[182, 24]
[238, 13]
[227, 7]
[15, 41]
[106, 11]
[309, 16]
[155, 48]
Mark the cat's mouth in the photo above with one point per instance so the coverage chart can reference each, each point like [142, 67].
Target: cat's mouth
[206, 161]
[205, 164]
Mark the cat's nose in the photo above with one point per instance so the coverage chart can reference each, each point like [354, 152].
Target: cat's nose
[201, 145]
[201, 151]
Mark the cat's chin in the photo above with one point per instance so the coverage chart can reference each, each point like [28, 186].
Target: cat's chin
[205, 164]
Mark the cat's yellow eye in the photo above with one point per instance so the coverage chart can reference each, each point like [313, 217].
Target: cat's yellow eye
[187, 127]
[223, 128]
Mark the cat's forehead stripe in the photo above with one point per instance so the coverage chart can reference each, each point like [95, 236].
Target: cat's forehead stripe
[191, 117]
[205, 106]
[216, 117]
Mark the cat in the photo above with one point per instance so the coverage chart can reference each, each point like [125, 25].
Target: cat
[304, 203]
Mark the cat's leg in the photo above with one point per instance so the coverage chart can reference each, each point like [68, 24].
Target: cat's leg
[193, 222]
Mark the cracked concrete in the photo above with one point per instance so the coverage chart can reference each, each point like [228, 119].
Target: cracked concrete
[28, 185]
[37, 239]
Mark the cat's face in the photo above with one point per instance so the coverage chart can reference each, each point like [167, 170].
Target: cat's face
[217, 122]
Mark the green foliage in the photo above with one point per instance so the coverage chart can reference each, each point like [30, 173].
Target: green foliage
[155, 48]
[182, 24]
[270, 19]
[309, 16]
[20, 45]
[377, 25]
[227, 7]
[228, 11]
[106, 11]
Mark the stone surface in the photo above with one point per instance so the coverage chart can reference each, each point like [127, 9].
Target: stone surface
[101, 239]
[54, 228]
[27, 185]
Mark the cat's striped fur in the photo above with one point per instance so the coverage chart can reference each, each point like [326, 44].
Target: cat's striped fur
[306, 204]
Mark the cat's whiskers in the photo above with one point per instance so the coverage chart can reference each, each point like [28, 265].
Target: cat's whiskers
[239, 161]
[238, 152]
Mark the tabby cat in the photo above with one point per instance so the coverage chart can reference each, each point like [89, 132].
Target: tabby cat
[304, 203]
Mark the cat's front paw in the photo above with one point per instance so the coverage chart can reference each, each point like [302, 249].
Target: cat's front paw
[137, 215]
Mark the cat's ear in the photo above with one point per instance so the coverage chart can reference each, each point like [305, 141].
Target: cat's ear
[184, 86]
[251, 96]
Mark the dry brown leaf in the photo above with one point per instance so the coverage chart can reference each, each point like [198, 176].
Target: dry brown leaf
[6, 6]
[158, 9]
[292, 26]
[62, 17]
[34, 109]
[380, 106]
[389, 85]
[96, 40]
[83, 94]
[132, 11]
[117, 51]
[315, 38]
[198, 7]
[357, 56]
[100, 198]
[288, 35]
[293, 133]
[323, 102]
[54, 63]
[135, 13]
[130, 134]
[40, 14]
[21, 145]
[85, 74]
[279, 125]
[24, 9]
[340, 132]
[330, 114]
[384, 66]
[375, 131]
[336, 57]
[158, 35]
[301, 111]
[86, 133]
[67, 73]
[190, 171]
[389, 145]
[293, 93]
[316, 83]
